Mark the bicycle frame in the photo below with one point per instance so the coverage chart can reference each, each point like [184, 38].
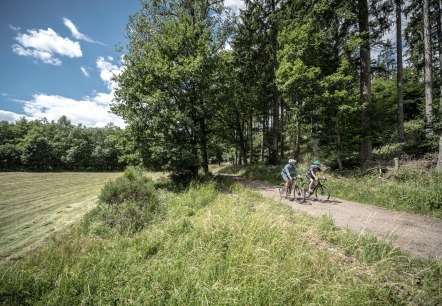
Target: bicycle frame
[321, 191]
[296, 188]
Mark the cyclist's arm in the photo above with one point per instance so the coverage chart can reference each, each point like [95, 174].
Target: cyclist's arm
[314, 175]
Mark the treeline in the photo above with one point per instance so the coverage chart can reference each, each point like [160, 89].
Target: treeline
[298, 79]
[40, 145]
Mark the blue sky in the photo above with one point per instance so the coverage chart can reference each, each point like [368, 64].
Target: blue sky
[57, 58]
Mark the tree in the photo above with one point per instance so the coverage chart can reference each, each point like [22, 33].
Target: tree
[365, 81]
[255, 46]
[428, 69]
[165, 93]
[9, 156]
[37, 153]
[399, 75]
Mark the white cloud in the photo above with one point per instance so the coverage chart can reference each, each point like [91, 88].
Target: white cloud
[11, 117]
[44, 56]
[92, 112]
[107, 71]
[85, 71]
[44, 45]
[76, 34]
[235, 5]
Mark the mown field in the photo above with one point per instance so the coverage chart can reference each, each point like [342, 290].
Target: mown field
[35, 206]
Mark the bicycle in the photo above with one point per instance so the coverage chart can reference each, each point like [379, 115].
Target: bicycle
[321, 191]
[298, 191]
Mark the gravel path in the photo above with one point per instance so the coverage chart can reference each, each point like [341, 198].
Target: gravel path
[416, 235]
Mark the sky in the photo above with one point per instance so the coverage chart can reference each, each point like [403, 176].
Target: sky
[57, 57]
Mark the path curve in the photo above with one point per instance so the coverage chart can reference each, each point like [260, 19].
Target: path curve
[416, 235]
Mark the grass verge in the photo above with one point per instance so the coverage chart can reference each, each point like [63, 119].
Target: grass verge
[220, 245]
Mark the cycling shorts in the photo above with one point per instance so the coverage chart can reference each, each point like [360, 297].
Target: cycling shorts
[285, 177]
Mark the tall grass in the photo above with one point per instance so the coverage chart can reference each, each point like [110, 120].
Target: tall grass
[408, 190]
[403, 190]
[220, 248]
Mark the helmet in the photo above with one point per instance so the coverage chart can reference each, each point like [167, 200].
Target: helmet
[292, 161]
[316, 163]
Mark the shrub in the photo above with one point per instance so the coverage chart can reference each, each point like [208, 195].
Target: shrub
[133, 186]
[125, 219]
[127, 205]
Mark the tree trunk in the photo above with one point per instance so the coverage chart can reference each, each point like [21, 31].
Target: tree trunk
[297, 150]
[439, 38]
[365, 82]
[273, 158]
[242, 144]
[338, 146]
[315, 139]
[439, 161]
[203, 146]
[264, 131]
[281, 132]
[400, 81]
[251, 138]
[428, 77]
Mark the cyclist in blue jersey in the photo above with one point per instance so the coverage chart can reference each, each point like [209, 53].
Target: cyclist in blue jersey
[287, 172]
[312, 174]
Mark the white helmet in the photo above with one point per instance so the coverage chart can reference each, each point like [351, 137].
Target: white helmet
[292, 161]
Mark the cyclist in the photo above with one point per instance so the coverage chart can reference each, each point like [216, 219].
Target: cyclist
[311, 174]
[287, 172]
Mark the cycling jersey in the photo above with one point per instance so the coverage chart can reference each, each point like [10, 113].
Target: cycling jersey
[288, 170]
[312, 169]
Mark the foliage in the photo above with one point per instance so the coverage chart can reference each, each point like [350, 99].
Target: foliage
[41, 145]
[132, 187]
[128, 204]
[10, 156]
[167, 91]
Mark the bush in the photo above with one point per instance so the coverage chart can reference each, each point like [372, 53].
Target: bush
[133, 186]
[125, 219]
[127, 205]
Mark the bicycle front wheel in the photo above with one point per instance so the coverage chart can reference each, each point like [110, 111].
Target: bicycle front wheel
[322, 193]
[305, 189]
[299, 194]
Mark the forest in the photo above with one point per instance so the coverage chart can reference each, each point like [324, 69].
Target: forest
[346, 82]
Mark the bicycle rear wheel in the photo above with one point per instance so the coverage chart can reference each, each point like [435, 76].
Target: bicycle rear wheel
[282, 192]
[322, 193]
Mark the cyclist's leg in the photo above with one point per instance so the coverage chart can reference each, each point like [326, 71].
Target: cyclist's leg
[286, 180]
[310, 185]
[290, 183]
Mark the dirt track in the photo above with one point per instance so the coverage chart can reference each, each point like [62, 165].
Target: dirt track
[416, 235]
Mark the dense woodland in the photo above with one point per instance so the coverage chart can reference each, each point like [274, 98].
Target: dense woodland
[40, 145]
[340, 81]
